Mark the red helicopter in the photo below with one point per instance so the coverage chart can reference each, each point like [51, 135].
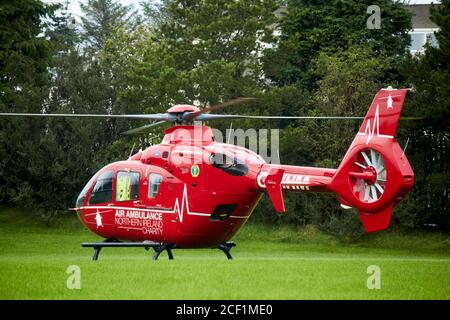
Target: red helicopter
[190, 191]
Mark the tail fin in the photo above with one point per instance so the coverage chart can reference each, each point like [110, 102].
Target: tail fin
[375, 174]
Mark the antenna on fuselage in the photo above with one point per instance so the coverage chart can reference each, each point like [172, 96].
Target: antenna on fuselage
[229, 133]
[131, 152]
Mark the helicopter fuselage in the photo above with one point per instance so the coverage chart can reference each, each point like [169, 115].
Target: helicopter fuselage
[186, 191]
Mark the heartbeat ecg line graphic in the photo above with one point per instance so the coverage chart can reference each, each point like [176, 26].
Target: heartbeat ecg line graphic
[185, 204]
[371, 131]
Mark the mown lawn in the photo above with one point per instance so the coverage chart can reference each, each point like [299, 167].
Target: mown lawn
[269, 263]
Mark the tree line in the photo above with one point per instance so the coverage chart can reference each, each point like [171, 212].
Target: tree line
[298, 57]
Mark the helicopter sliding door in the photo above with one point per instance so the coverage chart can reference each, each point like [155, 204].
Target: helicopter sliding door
[132, 215]
[161, 199]
[127, 188]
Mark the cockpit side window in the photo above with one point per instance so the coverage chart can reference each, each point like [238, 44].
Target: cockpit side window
[155, 181]
[102, 191]
[127, 186]
[234, 167]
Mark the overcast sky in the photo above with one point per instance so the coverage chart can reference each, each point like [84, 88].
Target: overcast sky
[74, 5]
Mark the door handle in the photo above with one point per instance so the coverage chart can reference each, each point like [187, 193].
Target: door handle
[138, 203]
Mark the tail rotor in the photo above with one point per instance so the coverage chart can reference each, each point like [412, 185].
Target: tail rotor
[368, 177]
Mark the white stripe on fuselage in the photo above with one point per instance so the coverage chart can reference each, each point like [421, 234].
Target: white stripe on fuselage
[288, 179]
[176, 208]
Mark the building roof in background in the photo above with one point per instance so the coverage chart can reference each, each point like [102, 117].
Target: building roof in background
[421, 15]
[416, 2]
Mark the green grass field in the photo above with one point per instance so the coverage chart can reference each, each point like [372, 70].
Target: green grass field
[269, 263]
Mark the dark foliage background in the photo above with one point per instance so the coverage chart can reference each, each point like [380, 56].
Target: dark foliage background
[325, 61]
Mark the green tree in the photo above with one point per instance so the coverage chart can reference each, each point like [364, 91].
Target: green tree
[154, 12]
[309, 27]
[25, 56]
[205, 50]
[428, 149]
[102, 17]
[202, 51]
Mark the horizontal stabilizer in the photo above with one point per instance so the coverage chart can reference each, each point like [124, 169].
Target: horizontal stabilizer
[273, 187]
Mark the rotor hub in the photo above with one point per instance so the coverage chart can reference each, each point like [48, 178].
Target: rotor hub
[182, 108]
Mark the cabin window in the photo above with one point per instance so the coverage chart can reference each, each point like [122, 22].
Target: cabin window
[234, 167]
[102, 191]
[155, 182]
[127, 186]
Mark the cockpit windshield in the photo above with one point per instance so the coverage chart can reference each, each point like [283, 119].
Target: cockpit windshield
[82, 196]
[103, 188]
[101, 192]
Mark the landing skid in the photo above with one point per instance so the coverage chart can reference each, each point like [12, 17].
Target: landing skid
[157, 247]
[226, 248]
[114, 243]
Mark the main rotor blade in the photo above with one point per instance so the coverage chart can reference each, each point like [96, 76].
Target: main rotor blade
[147, 126]
[190, 116]
[206, 117]
[156, 116]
